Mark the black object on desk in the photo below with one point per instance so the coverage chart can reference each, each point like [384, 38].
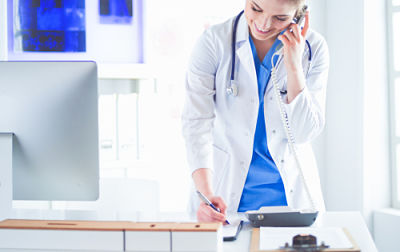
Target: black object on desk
[304, 243]
[233, 238]
[281, 217]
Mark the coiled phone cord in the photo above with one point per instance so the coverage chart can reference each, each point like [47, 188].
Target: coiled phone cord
[285, 122]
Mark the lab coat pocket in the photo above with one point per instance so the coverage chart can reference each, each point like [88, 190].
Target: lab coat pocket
[220, 163]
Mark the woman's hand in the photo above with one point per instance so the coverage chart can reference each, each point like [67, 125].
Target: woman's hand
[205, 213]
[293, 45]
[293, 49]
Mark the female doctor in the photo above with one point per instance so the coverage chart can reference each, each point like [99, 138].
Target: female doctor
[236, 144]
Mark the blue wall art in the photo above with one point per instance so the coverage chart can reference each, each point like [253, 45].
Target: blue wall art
[49, 26]
[116, 11]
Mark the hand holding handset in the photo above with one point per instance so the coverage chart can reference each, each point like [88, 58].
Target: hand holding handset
[298, 19]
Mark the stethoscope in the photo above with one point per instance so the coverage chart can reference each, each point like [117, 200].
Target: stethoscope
[232, 89]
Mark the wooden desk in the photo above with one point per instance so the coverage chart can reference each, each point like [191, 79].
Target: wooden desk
[118, 236]
[353, 221]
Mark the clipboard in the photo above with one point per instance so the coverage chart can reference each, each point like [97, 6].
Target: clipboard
[255, 243]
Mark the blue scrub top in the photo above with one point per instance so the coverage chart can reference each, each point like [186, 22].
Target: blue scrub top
[264, 186]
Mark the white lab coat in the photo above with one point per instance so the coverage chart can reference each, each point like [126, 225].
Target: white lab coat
[219, 128]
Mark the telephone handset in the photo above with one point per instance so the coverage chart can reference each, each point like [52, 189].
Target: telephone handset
[300, 15]
[298, 19]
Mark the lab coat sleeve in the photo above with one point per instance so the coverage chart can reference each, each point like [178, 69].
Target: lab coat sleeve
[198, 112]
[306, 113]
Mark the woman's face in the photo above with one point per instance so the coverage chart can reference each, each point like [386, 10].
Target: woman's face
[267, 18]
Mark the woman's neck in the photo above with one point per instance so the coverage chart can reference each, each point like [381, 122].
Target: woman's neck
[262, 47]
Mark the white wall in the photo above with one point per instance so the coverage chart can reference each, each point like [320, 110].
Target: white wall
[355, 164]
[343, 176]
[318, 23]
[376, 183]
[317, 15]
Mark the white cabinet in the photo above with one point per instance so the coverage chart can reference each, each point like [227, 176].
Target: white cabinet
[61, 240]
[200, 237]
[197, 241]
[18, 235]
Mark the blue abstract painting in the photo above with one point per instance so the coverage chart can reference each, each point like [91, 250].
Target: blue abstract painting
[116, 11]
[50, 25]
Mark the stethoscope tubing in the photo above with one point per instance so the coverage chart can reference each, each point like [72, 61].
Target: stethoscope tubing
[234, 44]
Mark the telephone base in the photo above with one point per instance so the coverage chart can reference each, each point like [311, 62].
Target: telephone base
[281, 217]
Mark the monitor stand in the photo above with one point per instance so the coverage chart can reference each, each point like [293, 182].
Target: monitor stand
[6, 140]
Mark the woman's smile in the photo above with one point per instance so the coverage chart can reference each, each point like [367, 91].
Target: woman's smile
[261, 30]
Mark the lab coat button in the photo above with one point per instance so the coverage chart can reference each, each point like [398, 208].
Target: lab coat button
[273, 131]
[270, 98]
[241, 162]
[291, 190]
[282, 161]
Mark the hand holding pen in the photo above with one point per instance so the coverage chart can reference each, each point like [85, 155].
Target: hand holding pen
[216, 214]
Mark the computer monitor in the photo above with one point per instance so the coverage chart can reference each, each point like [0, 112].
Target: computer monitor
[52, 109]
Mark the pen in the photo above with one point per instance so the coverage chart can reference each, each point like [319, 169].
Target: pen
[208, 202]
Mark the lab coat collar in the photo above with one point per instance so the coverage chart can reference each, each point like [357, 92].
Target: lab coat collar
[246, 62]
[242, 33]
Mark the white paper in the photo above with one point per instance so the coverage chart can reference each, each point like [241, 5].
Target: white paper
[231, 229]
[275, 237]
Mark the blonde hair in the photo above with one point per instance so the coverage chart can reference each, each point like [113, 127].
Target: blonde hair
[298, 3]
[300, 6]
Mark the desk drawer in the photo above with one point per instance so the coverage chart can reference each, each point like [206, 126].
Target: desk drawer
[62, 239]
[142, 241]
[197, 241]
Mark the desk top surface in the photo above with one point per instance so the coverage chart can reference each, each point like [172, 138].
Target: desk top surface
[109, 225]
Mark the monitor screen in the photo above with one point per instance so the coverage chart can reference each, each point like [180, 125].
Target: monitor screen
[52, 110]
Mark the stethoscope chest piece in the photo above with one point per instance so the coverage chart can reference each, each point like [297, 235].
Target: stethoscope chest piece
[232, 89]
